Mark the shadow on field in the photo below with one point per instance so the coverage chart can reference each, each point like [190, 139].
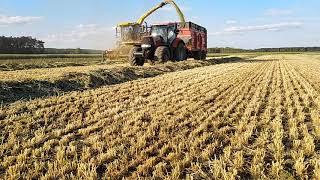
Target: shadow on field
[12, 91]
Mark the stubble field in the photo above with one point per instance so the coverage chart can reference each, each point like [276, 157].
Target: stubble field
[255, 118]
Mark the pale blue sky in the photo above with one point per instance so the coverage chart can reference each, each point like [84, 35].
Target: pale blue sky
[232, 23]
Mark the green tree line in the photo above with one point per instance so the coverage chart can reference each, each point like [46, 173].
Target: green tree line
[21, 45]
[29, 45]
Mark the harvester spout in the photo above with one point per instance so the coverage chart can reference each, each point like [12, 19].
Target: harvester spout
[181, 15]
[161, 5]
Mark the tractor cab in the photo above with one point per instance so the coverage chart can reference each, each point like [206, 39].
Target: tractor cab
[167, 33]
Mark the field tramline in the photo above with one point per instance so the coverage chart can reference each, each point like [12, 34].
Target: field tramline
[250, 119]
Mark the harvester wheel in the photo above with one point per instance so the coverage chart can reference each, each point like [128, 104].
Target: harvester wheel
[135, 61]
[180, 54]
[162, 54]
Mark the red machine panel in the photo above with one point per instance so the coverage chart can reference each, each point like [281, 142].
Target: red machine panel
[194, 36]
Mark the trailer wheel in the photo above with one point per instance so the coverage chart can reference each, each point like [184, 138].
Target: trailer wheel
[180, 53]
[197, 55]
[162, 54]
[203, 55]
[135, 61]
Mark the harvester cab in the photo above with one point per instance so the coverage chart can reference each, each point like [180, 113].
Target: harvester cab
[128, 35]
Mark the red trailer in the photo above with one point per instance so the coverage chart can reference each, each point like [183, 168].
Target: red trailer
[172, 41]
[195, 39]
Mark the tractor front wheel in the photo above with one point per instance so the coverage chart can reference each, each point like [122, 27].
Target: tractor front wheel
[135, 61]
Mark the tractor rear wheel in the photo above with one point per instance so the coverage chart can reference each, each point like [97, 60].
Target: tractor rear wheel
[162, 54]
[180, 53]
[135, 61]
